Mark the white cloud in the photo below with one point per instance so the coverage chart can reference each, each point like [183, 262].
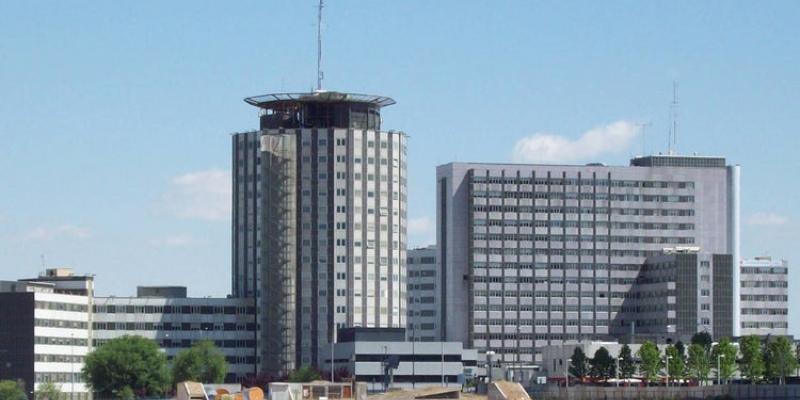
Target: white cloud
[550, 148]
[180, 240]
[766, 219]
[60, 231]
[202, 195]
[421, 231]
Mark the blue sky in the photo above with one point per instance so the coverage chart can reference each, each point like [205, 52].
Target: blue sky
[115, 116]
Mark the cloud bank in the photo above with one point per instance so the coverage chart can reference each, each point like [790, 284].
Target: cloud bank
[204, 195]
[613, 138]
[766, 219]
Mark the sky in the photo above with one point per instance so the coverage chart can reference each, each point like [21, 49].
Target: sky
[115, 117]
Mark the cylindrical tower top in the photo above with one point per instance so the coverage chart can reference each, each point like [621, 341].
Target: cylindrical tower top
[320, 109]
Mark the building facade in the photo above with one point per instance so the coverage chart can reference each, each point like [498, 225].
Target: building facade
[176, 323]
[364, 353]
[678, 294]
[319, 222]
[423, 276]
[44, 337]
[764, 296]
[534, 255]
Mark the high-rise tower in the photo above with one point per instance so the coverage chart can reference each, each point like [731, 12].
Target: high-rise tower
[319, 222]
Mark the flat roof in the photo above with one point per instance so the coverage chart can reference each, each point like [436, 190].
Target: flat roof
[322, 96]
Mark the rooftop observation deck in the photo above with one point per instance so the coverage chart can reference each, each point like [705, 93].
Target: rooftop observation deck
[320, 109]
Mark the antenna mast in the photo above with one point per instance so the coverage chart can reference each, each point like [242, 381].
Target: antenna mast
[672, 140]
[319, 46]
[643, 128]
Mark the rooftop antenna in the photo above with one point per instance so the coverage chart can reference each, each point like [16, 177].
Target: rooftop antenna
[672, 140]
[319, 46]
[643, 127]
[43, 263]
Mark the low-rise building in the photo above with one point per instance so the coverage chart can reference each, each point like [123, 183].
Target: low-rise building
[44, 336]
[764, 295]
[364, 352]
[176, 323]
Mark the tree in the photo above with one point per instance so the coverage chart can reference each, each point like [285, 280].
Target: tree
[602, 365]
[304, 374]
[128, 364]
[698, 365]
[780, 360]
[752, 362]
[677, 362]
[727, 363]
[650, 358]
[10, 390]
[703, 339]
[49, 391]
[203, 362]
[577, 365]
[627, 367]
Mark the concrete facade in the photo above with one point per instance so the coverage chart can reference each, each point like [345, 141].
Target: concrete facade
[421, 364]
[44, 336]
[319, 222]
[177, 323]
[764, 296]
[534, 255]
[424, 284]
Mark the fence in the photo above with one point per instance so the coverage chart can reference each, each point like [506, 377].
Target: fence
[744, 392]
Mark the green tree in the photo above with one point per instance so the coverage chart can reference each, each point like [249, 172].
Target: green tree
[780, 361]
[727, 361]
[698, 365]
[11, 390]
[131, 362]
[304, 374]
[703, 339]
[650, 358]
[578, 364]
[602, 365]
[203, 362]
[677, 362]
[752, 361]
[49, 391]
[627, 366]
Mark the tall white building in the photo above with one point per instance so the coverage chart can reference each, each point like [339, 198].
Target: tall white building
[424, 317]
[764, 296]
[319, 222]
[536, 255]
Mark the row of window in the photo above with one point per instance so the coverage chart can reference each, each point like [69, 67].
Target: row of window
[50, 305]
[559, 266]
[60, 341]
[764, 325]
[510, 180]
[764, 297]
[541, 322]
[559, 223]
[166, 326]
[585, 210]
[566, 252]
[764, 311]
[548, 294]
[169, 309]
[584, 238]
[60, 323]
[650, 198]
[58, 358]
[58, 377]
[765, 270]
[765, 284]
[553, 280]
[547, 308]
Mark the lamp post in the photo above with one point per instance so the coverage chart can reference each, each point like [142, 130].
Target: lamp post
[333, 343]
[566, 373]
[489, 368]
[616, 371]
[666, 357]
[719, 371]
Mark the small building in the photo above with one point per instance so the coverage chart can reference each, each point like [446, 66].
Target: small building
[765, 296]
[364, 353]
